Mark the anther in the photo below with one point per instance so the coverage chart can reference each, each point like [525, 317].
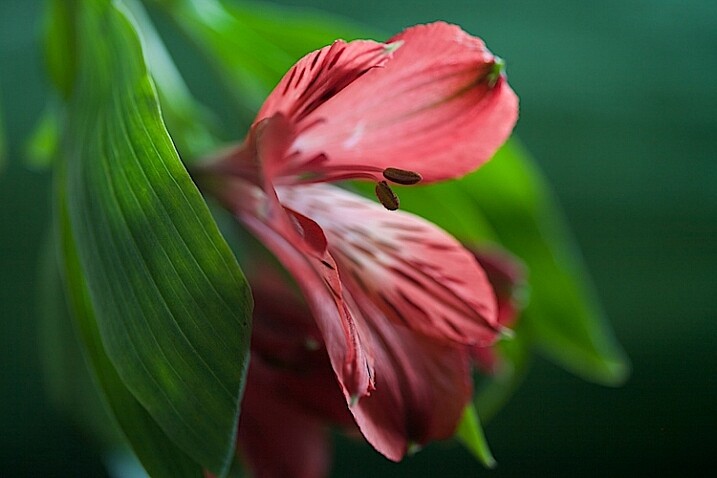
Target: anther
[386, 196]
[401, 176]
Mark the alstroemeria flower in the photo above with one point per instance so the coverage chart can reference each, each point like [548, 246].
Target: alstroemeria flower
[383, 286]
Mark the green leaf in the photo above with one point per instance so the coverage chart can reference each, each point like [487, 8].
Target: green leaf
[470, 434]
[187, 120]
[59, 44]
[254, 44]
[68, 381]
[159, 456]
[42, 147]
[563, 316]
[172, 306]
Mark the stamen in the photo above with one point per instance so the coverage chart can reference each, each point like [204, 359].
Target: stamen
[386, 196]
[402, 176]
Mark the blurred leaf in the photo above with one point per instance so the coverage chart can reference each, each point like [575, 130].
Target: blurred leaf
[470, 434]
[187, 120]
[60, 44]
[67, 379]
[42, 147]
[172, 306]
[563, 317]
[507, 201]
[254, 44]
[159, 456]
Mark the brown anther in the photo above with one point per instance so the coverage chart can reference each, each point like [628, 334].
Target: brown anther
[401, 176]
[386, 196]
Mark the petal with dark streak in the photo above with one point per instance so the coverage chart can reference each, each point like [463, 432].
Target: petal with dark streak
[416, 274]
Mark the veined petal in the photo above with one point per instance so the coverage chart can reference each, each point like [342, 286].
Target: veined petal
[320, 75]
[421, 389]
[293, 240]
[288, 352]
[277, 439]
[416, 274]
[439, 106]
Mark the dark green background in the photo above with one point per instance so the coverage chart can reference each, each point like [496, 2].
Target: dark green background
[618, 103]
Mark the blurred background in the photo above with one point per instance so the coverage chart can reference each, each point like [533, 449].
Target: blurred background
[618, 106]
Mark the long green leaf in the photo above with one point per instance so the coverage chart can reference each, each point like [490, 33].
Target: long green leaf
[171, 304]
[159, 456]
[189, 123]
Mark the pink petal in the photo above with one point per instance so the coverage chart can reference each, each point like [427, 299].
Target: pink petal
[278, 440]
[259, 158]
[436, 107]
[295, 240]
[416, 274]
[421, 390]
[288, 352]
[321, 75]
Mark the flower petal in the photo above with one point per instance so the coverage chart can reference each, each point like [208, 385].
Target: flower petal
[417, 274]
[421, 389]
[294, 243]
[439, 106]
[320, 75]
[288, 351]
[277, 439]
[507, 276]
[260, 157]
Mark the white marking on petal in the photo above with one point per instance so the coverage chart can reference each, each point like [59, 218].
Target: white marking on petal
[355, 137]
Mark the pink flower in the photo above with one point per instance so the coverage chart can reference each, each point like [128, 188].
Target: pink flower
[397, 301]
